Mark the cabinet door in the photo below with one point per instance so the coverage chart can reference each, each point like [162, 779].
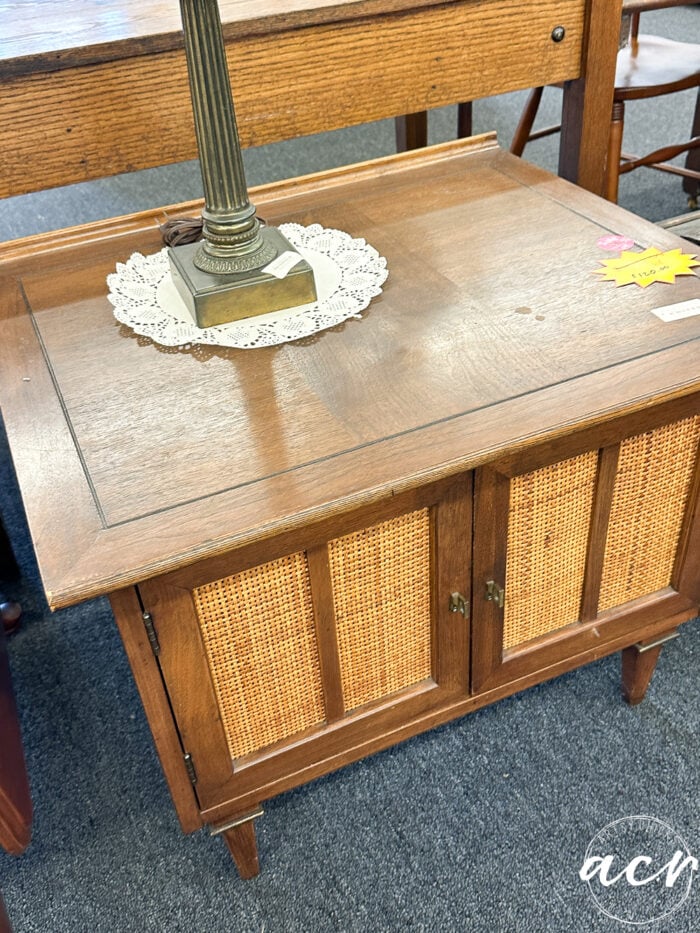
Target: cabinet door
[583, 543]
[288, 658]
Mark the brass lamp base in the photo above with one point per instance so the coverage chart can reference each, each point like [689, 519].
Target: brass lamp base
[219, 299]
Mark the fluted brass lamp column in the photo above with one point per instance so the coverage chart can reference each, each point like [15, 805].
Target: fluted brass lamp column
[222, 278]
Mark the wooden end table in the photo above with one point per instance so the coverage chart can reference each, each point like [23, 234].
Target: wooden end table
[319, 549]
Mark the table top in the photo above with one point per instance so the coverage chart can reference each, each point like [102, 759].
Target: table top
[492, 334]
[40, 37]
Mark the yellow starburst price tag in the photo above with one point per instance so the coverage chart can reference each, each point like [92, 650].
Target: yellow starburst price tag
[649, 266]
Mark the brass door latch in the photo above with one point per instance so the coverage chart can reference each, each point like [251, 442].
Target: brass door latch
[459, 604]
[495, 593]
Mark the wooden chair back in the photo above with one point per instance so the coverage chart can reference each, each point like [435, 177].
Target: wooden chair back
[646, 66]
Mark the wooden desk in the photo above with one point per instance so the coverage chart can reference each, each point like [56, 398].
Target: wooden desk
[292, 537]
[89, 90]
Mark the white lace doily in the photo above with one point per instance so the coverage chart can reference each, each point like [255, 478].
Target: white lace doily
[348, 273]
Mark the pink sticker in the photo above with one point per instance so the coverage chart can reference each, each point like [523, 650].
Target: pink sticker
[615, 242]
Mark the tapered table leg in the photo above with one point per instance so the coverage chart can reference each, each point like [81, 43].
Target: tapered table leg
[638, 665]
[241, 842]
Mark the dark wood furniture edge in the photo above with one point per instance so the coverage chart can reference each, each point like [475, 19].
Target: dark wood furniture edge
[5, 926]
[685, 577]
[15, 799]
[595, 552]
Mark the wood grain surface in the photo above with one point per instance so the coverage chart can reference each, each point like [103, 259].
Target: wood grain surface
[483, 343]
[117, 99]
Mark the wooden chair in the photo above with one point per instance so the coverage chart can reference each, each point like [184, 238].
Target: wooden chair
[647, 66]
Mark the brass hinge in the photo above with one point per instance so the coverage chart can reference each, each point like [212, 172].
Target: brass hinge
[191, 773]
[459, 604]
[151, 632]
[495, 593]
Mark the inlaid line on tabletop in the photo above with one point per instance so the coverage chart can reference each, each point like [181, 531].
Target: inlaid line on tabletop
[328, 457]
[578, 212]
[64, 409]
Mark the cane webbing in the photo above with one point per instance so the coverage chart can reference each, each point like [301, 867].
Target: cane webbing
[651, 490]
[258, 632]
[548, 522]
[381, 596]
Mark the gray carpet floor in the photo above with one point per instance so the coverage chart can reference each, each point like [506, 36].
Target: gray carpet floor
[478, 826]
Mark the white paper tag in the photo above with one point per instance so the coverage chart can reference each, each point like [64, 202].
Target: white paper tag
[680, 310]
[280, 266]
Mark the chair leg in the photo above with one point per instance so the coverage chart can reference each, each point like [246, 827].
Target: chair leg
[527, 118]
[411, 131]
[464, 120]
[691, 185]
[614, 151]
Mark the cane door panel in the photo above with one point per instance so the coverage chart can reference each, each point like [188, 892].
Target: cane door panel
[279, 656]
[572, 551]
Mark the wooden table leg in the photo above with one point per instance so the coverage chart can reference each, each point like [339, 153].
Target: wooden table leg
[638, 665]
[240, 839]
[411, 131]
[465, 125]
